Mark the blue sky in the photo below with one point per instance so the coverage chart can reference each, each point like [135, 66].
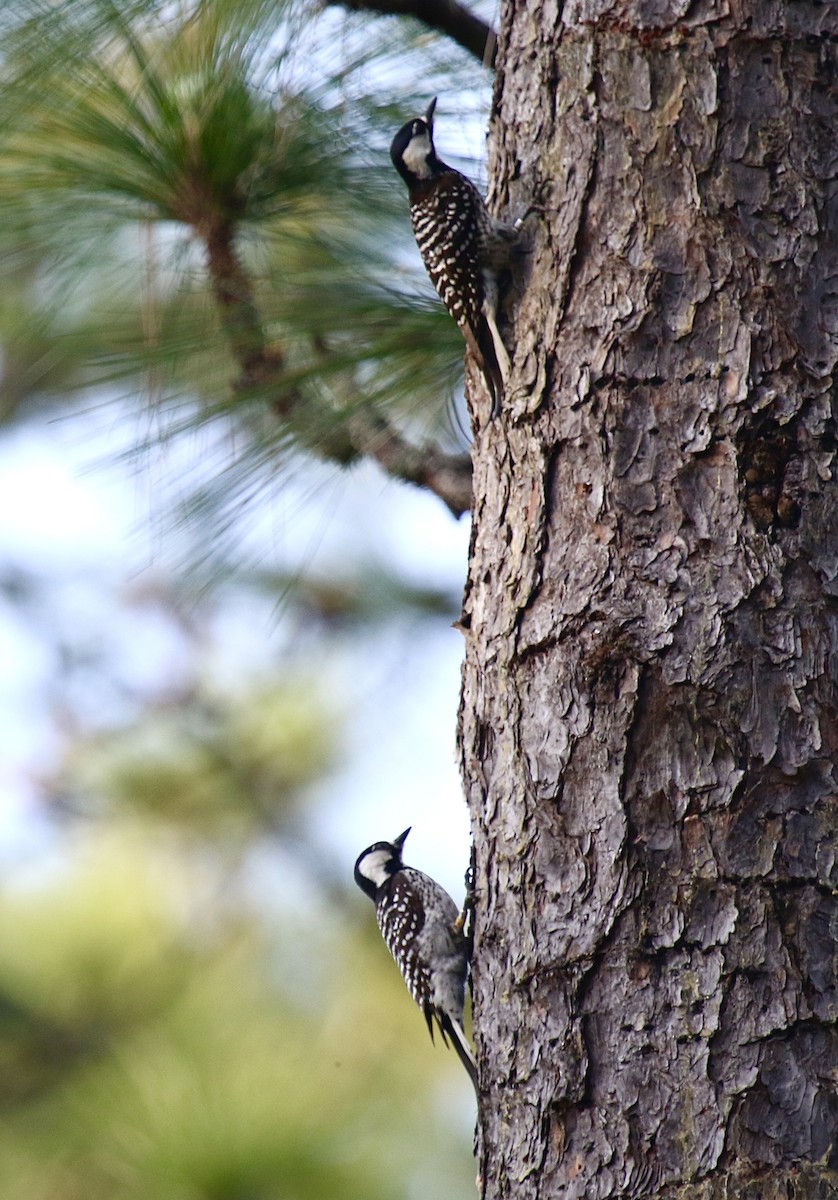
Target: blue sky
[93, 524]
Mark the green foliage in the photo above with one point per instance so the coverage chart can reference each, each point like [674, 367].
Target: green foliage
[180, 1068]
[192, 119]
[166, 1034]
[189, 1009]
[166, 116]
[218, 764]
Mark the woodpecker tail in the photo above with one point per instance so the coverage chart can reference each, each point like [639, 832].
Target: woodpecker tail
[496, 365]
[489, 350]
[450, 1029]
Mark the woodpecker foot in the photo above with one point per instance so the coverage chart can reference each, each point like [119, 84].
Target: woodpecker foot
[468, 905]
[535, 208]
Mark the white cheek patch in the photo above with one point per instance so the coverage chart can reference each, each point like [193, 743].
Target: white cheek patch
[415, 156]
[372, 866]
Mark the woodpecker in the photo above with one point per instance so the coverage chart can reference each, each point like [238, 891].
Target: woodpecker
[419, 922]
[464, 248]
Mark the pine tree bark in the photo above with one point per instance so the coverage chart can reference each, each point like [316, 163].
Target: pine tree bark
[649, 722]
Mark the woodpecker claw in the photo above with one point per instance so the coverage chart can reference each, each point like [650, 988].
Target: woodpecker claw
[468, 905]
[533, 209]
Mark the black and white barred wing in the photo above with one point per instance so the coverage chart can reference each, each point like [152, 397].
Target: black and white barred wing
[401, 919]
[416, 918]
[448, 221]
[459, 243]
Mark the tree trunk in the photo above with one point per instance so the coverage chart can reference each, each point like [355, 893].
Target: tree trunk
[649, 725]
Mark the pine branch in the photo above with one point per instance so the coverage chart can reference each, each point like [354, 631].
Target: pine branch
[446, 475]
[445, 16]
[236, 304]
[365, 433]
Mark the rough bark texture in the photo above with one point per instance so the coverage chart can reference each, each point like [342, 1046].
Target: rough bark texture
[649, 729]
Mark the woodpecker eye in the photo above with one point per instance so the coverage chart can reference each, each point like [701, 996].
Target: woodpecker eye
[417, 127]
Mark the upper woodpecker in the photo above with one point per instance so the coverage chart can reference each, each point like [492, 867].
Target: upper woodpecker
[463, 247]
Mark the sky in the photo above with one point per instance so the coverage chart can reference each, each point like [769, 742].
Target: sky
[79, 511]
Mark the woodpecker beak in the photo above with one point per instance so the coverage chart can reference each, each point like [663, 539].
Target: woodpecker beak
[429, 121]
[400, 840]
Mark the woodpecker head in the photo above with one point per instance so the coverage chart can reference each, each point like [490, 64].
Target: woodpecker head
[378, 862]
[412, 149]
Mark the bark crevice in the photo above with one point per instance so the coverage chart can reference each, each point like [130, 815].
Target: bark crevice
[651, 613]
